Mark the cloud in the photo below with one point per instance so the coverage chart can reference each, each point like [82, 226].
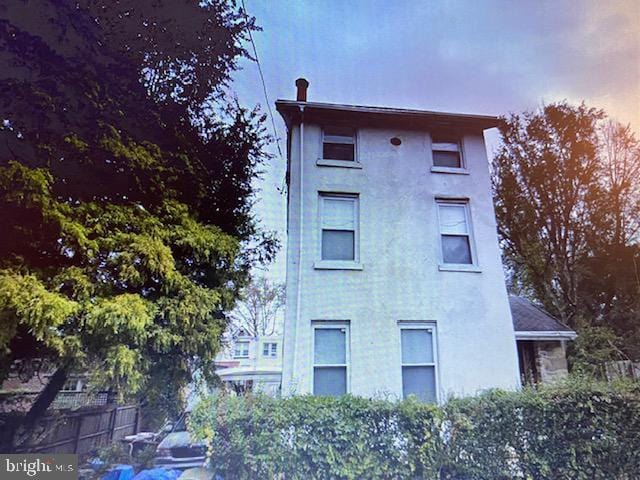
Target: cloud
[493, 56]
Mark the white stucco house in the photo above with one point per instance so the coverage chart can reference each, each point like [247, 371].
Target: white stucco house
[394, 279]
[251, 364]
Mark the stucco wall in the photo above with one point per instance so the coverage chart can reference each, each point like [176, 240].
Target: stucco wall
[400, 279]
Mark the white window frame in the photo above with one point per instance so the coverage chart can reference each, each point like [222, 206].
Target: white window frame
[235, 349]
[271, 348]
[334, 162]
[462, 169]
[430, 326]
[469, 267]
[328, 325]
[354, 264]
[77, 385]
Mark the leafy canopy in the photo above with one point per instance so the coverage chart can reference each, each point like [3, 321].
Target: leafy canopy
[566, 184]
[126, 172]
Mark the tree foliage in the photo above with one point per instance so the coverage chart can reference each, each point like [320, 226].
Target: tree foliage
[257, 311]
[566, 184]
[126, 172]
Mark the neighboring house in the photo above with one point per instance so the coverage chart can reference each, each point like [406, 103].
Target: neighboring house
[252, 364]
[394, 279]
[18, 394]
[541, 341]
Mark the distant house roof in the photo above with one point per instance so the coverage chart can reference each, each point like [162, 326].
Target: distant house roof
[337, 114]
[533, 323]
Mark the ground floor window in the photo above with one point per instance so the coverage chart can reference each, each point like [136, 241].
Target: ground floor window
[330, 359]
[240, 387]
[419, 362]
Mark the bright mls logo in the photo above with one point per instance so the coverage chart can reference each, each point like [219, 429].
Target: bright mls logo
[46, 466]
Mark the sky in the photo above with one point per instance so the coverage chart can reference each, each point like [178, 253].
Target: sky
[483, 57]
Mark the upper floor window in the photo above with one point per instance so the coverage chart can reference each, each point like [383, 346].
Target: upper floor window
[270, 349]
[330, 360]
[339, 143]
[72, 385]
[241, 350]
[455, 232]
[447, 152]
[339, 214]
[418, 362]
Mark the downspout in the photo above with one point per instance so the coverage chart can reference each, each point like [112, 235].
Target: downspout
[301, 204]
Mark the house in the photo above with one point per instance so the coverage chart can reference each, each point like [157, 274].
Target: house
[20, 390]
[394, 279]
[541, 340]
[252, 363]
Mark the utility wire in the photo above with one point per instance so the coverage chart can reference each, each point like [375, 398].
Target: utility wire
[264, 87]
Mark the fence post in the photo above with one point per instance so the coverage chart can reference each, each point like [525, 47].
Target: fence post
[137, 420]
[112, 423]
[76, 439]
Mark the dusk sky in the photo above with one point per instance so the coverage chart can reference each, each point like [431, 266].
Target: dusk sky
[487, 57]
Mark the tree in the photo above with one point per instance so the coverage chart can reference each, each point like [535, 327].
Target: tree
[258, 308]
[125, 190]
[567, 195]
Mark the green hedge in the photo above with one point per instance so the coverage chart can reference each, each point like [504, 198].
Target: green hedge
[572, 431]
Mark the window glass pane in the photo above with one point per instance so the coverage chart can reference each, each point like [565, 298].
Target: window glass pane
[338, 214]
[338, 245]
[456, 249]
[338, 151]
[417, 346]
[419, 381]
[453, 219]
[446, 159]
[242, 349]
[339, 134]
[445, 145]
[265, 349]
[330, 346]
[330, 381]
[274, 349]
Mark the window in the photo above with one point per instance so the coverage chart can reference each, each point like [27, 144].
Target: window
[339, 143]
[72, 385]
[455, 232]
[270, 349]
[447, 152]
[330, 360]
[241, 350]
[339, 221]
[418, 363]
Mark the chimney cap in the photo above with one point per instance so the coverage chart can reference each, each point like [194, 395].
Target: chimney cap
[302, 84]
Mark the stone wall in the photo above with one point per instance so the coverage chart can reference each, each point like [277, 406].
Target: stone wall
[552, 360]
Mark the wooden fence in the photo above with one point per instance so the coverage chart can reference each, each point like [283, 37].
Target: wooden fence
[624, 368]
[83, 430]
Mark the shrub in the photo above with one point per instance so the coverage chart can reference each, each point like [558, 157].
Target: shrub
[570, 431]
[317, 437]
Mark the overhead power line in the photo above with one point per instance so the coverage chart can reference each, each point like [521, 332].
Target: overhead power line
[264, 86]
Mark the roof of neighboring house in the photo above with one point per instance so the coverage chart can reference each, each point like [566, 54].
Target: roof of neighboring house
[531, 321]
[382, 116]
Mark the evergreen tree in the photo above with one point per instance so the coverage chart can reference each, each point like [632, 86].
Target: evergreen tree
[126, 171]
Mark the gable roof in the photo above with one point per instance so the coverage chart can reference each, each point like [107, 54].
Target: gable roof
[532, 322]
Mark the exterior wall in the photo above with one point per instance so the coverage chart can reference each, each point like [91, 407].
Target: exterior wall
[264, 373]
[552, 360]
[268, 363]
[400, 279]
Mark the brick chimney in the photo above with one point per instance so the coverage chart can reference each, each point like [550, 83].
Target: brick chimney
[302, 86]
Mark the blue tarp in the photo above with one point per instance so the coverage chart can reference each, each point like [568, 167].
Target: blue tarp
[158, 474]
[119, 472]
